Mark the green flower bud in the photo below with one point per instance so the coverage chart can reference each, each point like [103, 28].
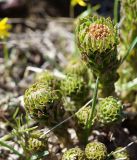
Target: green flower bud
[72, 86]
[43, 102]
[74, 154]
[76, 66]
[75, 87]
[96, 151]
[35, 143]
[97, 40]
[96, 34]
[121, 154]
[109, 111]
[82, 116]
[46, 77]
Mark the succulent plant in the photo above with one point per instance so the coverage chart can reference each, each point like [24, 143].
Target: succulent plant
[121, 154]
[74, 154]
[43, 102]
[96, 151]
[109, 111]
[97, 40]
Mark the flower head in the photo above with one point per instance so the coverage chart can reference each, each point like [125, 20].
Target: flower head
[96, 34]
[4, 27]
[79, 2]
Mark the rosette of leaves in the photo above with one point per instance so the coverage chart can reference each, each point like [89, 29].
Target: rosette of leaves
[97, 41]
[121, 153]
[96, 151]
[109, 111]
[43, 102]
[74, 153]
[75, 88]
[129, 28]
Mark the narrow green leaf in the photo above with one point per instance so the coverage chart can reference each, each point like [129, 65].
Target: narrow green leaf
[91, 116]
[2, 143]
[129, 50]
[16, 112]
[116, 5]
[93, 103]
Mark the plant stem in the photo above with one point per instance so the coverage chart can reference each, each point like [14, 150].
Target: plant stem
[71, 11]
[6, 54]
[116, 11]
[91, 116]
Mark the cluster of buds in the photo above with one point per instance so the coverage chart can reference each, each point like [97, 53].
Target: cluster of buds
[95, 151]
[108, 112]
[97, 41]
[75, 86]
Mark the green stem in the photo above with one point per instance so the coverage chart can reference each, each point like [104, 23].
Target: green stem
[116, 11]
[6, 53]
[89, 124]
[71, 11]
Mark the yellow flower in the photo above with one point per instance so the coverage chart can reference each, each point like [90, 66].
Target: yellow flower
[4, 27]
[79, 2]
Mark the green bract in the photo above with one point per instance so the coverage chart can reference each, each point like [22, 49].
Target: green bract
[43, 102]
[121, 154]
[97, 40]
[74, 154]
[109, 111]
[96, 151]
